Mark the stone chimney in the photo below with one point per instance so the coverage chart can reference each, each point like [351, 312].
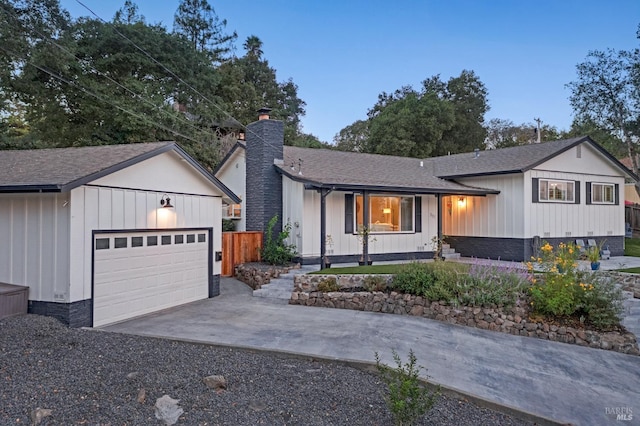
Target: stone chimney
[265, 142]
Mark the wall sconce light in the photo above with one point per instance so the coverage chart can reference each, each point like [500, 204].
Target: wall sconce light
[461, 201]
[165, 202]
[386, 210]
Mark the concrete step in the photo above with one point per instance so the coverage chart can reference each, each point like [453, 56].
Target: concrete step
[281, 287]
[451, 255]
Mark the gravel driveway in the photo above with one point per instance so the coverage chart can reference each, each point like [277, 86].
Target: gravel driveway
[93, 377]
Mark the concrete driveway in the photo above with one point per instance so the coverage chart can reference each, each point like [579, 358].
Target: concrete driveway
[566, 383]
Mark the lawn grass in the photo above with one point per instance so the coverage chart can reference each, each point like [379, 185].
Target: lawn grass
[392, 268]
[367, 269]
[635, 270]
[632, 247]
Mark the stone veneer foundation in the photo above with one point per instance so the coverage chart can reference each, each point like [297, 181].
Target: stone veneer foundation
[512, 321]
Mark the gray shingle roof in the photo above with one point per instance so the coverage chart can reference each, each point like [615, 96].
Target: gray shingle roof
[62, 169]
[517, 159]
[55, 168]
[351, 170]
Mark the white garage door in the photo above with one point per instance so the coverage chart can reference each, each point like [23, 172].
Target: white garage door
[136, 273]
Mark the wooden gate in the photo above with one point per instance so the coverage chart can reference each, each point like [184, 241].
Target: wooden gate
[239, 247]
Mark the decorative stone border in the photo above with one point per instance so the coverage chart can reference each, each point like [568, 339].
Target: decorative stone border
[512, 321]
[629, 282]
[255, 274]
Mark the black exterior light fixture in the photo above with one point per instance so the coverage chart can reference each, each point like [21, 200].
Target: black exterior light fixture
[165, 202]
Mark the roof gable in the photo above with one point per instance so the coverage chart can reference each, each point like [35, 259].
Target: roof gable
[62, 169]
[517, 159]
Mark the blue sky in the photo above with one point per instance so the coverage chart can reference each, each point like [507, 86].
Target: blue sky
[342, 54]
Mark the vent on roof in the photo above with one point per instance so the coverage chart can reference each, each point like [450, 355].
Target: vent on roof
[421, 163]
[476, 153]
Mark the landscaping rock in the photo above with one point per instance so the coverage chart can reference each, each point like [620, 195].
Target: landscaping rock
[39, 414]
[512, 321]
[167, 410]
[215, 382]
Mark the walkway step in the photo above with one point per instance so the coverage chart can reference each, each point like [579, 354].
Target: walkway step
[281, 287]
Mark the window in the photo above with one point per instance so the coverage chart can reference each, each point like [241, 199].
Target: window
[602, 193]
[102, 243]
[556, 190]
[120, 242]
[136, 241]
[387, 213]
[152, 240]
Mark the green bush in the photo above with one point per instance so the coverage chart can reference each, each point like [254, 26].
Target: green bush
[277, 251]
[568, 292]
[408, 398]
[228, 225]
[414, 278]
[328, 284]
[374, 283]
[479, 284]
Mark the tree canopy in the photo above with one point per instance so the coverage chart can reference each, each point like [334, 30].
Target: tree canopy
[606, 93]
[67, 82]
[441, 118]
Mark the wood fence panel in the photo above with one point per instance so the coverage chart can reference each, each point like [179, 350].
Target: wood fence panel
[239, 247]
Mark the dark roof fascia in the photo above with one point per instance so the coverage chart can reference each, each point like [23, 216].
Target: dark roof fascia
[234, 148]
[13, 189]
[310, 184]
[594, 144]
[502, 172]
[117, 167]
[229, 193]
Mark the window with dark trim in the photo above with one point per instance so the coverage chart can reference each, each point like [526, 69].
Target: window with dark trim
[178, 239]
[602, 193]
[166, 240]
[152, 240]
[202, 238]
[555, 191]
[387, 213]
[191, 238]
[136, 241]
[120, 242]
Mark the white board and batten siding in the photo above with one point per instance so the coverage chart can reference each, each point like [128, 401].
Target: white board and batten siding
[34, 230]
[301, 208]
[234, 175]
[513, 214]
[560, 220]
[500, 216]
[108, 204]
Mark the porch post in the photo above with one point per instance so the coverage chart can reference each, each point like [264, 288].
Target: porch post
[323, 227]
[365, 223]
[439, 198]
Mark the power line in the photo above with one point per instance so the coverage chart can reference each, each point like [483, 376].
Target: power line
[101, 98]
[86, 63]
[214, 104]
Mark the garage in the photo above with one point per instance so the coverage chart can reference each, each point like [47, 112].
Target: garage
[136, 273]
[101, 234]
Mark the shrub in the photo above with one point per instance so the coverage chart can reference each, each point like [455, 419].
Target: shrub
[228, 225]
[567, 292]
[408, 398]
[328, 284]
[374, 283]
[414, 278]
[277, 251]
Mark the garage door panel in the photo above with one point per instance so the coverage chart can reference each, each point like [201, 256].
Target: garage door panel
[136, 280]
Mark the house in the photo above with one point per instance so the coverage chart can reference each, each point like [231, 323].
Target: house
[489, 204]
[105, 233]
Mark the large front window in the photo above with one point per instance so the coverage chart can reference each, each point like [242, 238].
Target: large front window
[556, 190]
[387, 213]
